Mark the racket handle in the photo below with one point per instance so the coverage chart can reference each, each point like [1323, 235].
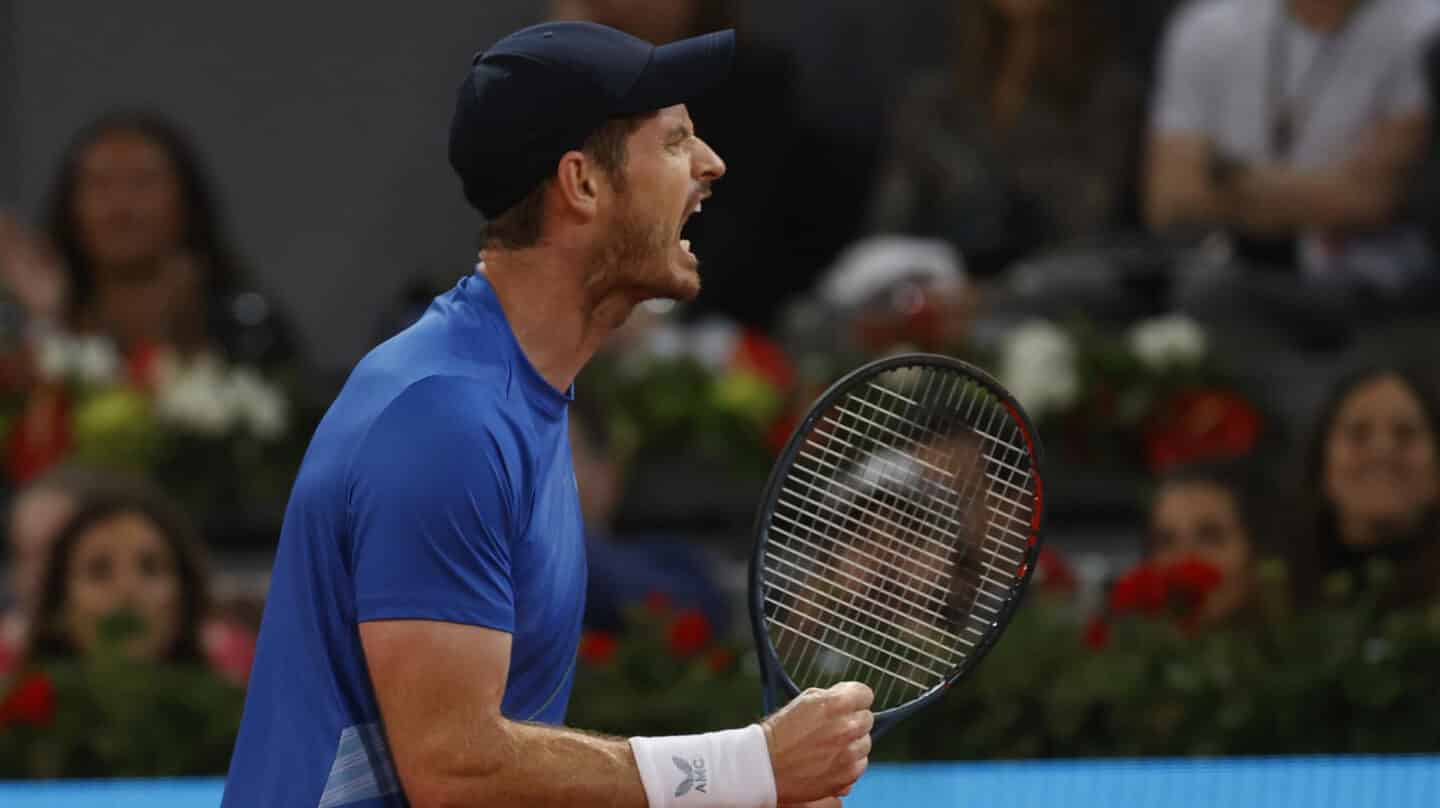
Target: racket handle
[883, 725]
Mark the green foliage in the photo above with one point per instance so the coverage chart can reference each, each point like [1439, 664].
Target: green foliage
[645, 687]
[1344, 678]
[107, 715]
[679, 406]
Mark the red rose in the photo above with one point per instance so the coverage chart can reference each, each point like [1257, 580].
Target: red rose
[657, 603]
[1097, 634]
[1143, 589]
[229, 648]
[598, 648]
[41, 435]
[762, 356]
[1191, 581]
[1201, 425]
[1194, 577]
[781, 429]
[142, 365]
[32, 701]
[690, 633]
[719, 660]
[1053, 572]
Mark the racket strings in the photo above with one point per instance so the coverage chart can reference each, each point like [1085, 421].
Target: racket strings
[897, 535]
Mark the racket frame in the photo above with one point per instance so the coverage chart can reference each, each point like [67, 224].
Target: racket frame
[774, 680]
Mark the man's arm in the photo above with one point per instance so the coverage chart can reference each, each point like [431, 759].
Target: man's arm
[1362, 193]
[1179, 191]
[440, 685]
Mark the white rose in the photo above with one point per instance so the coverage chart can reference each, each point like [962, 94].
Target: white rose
[713, 343]
[1165, 342]
[55, 357]
[664, 341]
[1038, 367]
[96, 361]
[197, 398]
[261, 406]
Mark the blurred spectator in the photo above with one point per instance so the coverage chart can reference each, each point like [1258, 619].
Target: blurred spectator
[1208, 512]
[37, 512]
[765, 216]
[1022, 143]
[1372, 486]
[622, 573]
[1424, 199]
[883, 292]
[1292, 125]
[128, 548]
[137, 251]
[123, 552]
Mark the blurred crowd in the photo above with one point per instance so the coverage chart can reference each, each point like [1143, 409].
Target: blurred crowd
[1265, 168]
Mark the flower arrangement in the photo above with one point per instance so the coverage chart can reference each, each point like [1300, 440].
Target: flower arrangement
[666, 674]
[713, 389]
[1145, 679]
[109, 716]
[1153, 396]
[214, 434]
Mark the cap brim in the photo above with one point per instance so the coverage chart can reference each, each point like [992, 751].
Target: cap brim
[681, 71]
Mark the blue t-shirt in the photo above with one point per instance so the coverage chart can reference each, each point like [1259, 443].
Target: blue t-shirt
[439, 486]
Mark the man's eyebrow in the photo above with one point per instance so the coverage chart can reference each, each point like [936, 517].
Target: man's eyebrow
[680, 131]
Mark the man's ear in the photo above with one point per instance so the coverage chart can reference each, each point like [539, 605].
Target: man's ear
[578, 182]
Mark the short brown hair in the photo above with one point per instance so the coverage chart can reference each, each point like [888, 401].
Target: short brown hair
[522, 225]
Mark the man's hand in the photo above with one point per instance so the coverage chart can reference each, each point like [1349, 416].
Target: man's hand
[820, 743]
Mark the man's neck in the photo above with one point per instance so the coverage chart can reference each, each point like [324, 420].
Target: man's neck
[1324, 16]
[555, 318]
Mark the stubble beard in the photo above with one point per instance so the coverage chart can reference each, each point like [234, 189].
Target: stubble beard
[637, 260]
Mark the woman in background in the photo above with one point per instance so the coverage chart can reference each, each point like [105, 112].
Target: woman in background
[37, 512]
[1024, 142]
[137, 250]
[123, 551]
[1208, 512]
[1372, 487]
[127, 547]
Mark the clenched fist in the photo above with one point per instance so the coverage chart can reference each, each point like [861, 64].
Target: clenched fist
[820, 742]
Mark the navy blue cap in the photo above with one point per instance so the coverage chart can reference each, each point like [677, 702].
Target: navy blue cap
[542, 91]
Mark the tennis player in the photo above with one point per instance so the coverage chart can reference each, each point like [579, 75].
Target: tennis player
[420, 635]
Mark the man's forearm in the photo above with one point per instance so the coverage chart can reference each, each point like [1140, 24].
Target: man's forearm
[1278, 200]
[539, 766]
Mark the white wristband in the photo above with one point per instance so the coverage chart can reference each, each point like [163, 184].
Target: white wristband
[729, 769]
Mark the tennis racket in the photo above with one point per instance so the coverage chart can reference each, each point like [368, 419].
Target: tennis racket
[897, 533]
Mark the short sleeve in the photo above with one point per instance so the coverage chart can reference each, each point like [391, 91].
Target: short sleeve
[430, 512]
[1408, 92]
[1186, 72]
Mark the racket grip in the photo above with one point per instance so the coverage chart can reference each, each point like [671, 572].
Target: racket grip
[882, 725]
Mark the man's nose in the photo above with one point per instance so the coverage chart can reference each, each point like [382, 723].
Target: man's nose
[708, 165]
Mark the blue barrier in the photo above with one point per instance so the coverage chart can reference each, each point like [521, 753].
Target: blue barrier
[1354, 782]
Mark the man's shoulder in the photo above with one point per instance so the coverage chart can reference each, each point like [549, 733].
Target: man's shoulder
[1218, 22]
[1412, 22]
[464, 405]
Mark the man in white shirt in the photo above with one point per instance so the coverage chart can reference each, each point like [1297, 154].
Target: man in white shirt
[1292, 125]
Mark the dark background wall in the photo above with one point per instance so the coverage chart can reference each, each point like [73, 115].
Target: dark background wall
[324, 123]
[9, 154]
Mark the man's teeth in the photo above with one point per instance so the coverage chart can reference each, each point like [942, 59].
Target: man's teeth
[685, 244]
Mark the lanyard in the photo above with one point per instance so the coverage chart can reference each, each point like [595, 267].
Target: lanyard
[1288, 116]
